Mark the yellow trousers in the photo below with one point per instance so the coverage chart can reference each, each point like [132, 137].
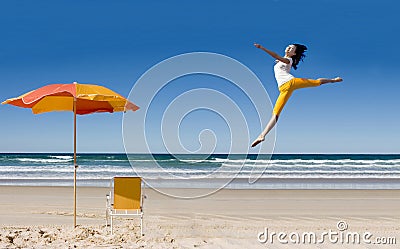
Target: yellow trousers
[287, 89]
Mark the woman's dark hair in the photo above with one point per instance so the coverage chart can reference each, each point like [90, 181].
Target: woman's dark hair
[299, 56]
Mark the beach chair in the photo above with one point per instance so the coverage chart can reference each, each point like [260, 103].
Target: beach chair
[126, 193]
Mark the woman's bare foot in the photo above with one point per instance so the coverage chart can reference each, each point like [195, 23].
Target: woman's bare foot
[257, 141]
[337, 79]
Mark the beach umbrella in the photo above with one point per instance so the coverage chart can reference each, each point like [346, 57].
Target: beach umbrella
[81, 99]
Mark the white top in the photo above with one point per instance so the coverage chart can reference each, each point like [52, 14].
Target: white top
[282, 71]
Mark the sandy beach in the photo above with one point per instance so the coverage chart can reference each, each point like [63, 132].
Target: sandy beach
[41, 217]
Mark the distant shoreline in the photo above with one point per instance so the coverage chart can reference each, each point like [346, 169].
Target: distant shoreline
[238, 183]
[216, 154]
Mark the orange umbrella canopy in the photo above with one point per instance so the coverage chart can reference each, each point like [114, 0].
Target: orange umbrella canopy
[60, 97]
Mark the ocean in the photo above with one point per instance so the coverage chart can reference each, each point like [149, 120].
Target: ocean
[280, 171]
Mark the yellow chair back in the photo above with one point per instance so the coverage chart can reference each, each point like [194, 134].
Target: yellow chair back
[127, 193]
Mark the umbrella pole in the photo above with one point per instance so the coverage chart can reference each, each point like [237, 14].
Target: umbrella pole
[75, 164]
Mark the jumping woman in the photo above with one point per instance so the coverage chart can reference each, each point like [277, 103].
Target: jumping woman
[287, 83]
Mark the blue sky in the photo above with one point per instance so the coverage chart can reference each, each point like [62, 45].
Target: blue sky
[113, 43]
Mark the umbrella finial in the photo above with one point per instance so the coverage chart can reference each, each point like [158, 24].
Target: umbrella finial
[75, 82]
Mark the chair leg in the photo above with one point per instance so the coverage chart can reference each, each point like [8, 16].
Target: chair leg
[112, 231]
[141, 225]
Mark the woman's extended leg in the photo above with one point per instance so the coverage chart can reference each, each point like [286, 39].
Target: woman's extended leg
[284, 95]
[267, 129]
[324, 80]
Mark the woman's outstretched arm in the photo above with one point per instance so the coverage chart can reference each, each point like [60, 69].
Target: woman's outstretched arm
[273, 54]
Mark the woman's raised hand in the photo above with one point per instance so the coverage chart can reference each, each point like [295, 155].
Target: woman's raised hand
[257, 45]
